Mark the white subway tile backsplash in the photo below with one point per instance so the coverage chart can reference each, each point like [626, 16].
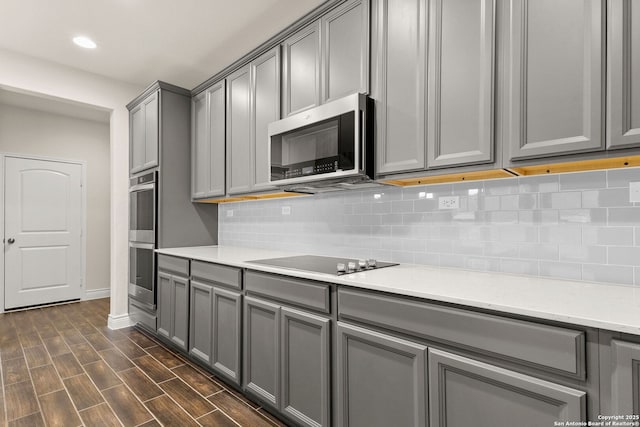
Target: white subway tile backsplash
[539, 184]
[516, 266]
[608, 274]
[561, 270]
[622, 255]
[622, 177]
[583, 180]
[577, 226]
[583, 254]
[623, 216]
[568, 200]
[617, 236]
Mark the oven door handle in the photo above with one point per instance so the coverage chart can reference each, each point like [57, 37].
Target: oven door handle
[141, 187]
[141, 245]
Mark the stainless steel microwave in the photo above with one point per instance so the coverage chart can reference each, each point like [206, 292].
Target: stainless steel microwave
[330, 142]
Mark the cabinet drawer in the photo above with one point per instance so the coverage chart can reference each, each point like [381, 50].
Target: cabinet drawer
[216, 273]
[140, 316]
[554, 349]
[173, 264]
[300, 292]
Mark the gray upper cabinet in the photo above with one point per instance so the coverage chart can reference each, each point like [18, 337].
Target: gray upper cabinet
[398, 43]
[253, 101]
[623, 104]
[345, 51]
[239, 174]
[381, 379]
[327, 59]
[625, 377]
[465, 392]
[208, 142]
[554, 78]
[301, 70]
[265, 78]
[144, 134]
[460, 82]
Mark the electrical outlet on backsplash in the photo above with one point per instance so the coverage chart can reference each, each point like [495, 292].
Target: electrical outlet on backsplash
[579, 226]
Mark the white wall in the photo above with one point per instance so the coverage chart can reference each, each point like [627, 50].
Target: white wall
[46, 78]
[38, 133]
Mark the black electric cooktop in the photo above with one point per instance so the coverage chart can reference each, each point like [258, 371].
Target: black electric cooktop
[324, 264]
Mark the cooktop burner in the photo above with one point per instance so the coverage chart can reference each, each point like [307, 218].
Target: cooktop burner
[324, 264]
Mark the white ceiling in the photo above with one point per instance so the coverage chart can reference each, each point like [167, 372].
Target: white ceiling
[182, 42]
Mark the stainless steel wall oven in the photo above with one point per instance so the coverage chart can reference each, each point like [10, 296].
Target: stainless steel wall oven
[143, 197]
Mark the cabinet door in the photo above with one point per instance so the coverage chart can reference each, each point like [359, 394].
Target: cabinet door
[399, 79]
[208, 142]
[623, 106]
[200, 321]
[165, 289]
[239, 160]
[180, 312]
[301, 70]
[261, 349]
[625, 378]
[217, 139]
[464, 392]
[381, 379]
[305, 367]
[227, 329]
[151, 125]
[460, 82]
[266, 109]
[554, 77]
[136, 139]
[200, 146]
[345, 51]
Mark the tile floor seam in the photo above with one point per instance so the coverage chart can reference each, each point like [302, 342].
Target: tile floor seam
[33, 386]
[179, 406]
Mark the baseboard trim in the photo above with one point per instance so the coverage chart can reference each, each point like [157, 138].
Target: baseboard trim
[97, 293]
[120, 321]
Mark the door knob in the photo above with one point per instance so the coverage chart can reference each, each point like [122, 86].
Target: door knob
[11, 240]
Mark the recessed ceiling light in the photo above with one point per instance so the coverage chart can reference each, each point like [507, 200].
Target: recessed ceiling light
[85, 42]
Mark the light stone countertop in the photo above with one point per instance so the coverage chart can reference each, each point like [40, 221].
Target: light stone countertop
[611, 307]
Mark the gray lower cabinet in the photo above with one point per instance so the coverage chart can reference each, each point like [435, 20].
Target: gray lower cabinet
[226, 333]
[460, 83]
[208, 143]
[173, 308]
[381, 379]
[287, 360]
[261, 349]
[201, 321]
[143, 146]
[623, 66]
[554, 77]
[398, 62]
[216, 318]
[465, 392]
[625, 378]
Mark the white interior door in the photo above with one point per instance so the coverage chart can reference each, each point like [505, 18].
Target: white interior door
[43, 223]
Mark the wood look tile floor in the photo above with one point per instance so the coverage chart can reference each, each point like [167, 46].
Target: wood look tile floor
[62, 366]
